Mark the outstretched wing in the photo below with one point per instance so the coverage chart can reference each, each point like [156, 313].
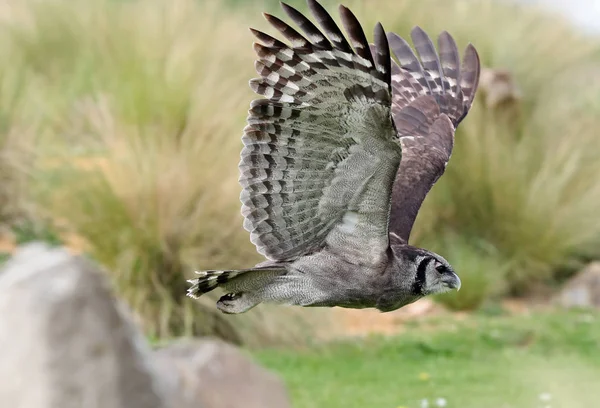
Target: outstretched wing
[320, 152]
[430, 97]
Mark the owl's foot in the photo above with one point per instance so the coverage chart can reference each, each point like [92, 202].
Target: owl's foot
[234, 303]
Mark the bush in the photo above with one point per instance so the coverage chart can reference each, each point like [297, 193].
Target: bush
[148, 102]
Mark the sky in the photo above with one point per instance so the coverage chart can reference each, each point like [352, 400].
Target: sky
[584, 13]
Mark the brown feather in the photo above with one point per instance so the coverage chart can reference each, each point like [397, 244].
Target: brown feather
[331, 29]
[430, 98]
[323, 129]
[312, 32]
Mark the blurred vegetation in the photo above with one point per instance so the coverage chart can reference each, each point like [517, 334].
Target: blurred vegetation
[120, 121]
[537, 360]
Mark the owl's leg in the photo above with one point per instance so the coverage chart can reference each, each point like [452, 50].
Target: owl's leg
[244, 291]
[297, 290]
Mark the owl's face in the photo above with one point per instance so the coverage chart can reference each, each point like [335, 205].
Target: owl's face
[430, 272]
[439, 275]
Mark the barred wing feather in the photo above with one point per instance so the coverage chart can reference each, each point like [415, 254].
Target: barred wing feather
[431, 95]
[320, 151]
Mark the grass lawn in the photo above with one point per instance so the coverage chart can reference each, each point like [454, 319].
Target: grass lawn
[481, 361]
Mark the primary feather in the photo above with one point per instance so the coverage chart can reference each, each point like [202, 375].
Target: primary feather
[426, 124]
[312, 147]
[337, 159]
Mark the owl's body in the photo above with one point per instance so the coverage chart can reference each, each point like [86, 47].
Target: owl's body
[337, 160]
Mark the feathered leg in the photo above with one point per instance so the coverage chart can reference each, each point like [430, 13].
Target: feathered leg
[234, 303]
[246, 287]
[290, 289]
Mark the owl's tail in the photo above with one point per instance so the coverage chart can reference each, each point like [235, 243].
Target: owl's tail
[208, 280]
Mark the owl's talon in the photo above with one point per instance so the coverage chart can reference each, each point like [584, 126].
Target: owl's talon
[233, 303]
[229, 296]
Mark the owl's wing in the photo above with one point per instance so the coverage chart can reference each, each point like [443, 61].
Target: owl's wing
[320, 152]
[430, 97]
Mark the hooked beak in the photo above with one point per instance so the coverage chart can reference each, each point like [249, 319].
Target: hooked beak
[451, 280]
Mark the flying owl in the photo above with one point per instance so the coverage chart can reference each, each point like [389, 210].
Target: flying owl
[337, 159]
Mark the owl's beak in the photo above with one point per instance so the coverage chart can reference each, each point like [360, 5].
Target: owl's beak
[451, 280]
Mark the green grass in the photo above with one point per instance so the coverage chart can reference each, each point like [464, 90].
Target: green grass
[480, 361]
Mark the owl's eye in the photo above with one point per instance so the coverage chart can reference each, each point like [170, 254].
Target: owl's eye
[440, 268]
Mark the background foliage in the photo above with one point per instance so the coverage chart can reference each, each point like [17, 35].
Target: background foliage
[120, 125]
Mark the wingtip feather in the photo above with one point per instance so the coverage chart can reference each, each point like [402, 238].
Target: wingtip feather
[417, 31]
[356, 34]
[330, 28]
[471, 67]
[383, 58]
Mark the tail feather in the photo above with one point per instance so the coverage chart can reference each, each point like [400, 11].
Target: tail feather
[208, 280]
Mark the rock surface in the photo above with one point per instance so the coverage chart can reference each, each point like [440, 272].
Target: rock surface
[217, 375]
[584, 289]
[66, 342]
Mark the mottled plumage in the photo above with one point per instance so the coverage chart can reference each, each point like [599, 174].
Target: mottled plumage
[337, 159]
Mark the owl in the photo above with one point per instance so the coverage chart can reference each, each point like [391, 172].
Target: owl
[338, 157]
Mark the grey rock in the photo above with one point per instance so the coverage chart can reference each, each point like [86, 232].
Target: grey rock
[218, 375]
[583, 290]
[65, 341]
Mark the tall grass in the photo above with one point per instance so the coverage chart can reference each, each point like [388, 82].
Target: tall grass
[146, 101]
[140, 104]
[17, 131]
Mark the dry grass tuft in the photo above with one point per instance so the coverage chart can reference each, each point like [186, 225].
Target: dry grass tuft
[142, 150]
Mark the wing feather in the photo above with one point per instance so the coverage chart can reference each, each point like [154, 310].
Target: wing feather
[411, 69]
[431, 96]
[320, 151]
[429, 60]
[266, 39]
[331, 29]
[469, 78]
[383, 61]
[316, 37]
[357, 36]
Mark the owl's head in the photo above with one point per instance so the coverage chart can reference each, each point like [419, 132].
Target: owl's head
[430, 273]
